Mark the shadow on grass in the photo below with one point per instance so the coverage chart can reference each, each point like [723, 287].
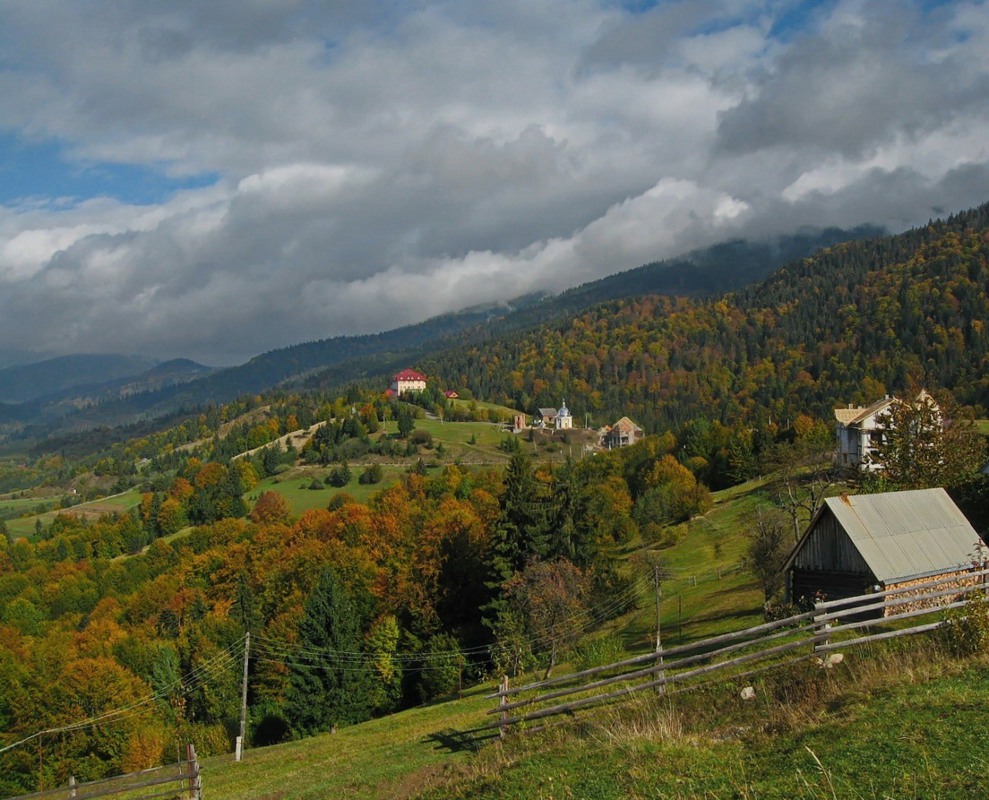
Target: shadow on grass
[454, 741]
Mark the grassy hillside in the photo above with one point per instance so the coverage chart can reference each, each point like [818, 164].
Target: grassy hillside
[903, 724]
[891, 726]
[114, 504]
[901, 721]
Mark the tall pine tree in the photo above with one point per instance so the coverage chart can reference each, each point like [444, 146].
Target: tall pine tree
[522, 529]
[330, 683]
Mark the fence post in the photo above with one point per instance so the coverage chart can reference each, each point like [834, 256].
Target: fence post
[195, 784]
[823, 628]
[72, 786]
[503, 727]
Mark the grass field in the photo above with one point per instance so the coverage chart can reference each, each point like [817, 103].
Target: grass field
[901, 721]
[466, 443]
[25, 505]
[119, 503]
[392, 757]
[893, 735]
[294, 486]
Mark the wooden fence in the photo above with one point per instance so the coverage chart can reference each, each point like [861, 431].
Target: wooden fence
[178, 781]
[830, 626]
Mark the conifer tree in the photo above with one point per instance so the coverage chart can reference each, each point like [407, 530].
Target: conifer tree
[522, 527]
[329, 682]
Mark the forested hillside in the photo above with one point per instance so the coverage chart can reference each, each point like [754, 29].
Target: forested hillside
[449, 570]
[847, 325]
[347, 358]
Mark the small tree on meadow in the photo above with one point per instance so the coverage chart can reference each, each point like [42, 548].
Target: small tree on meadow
[551, 598]
[270, 508]
[926, 443]
[769, 547]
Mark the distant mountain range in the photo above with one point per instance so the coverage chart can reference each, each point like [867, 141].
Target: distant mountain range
[80, 392]
[30, 381]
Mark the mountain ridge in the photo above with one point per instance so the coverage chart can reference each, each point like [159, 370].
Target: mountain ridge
[340, 359]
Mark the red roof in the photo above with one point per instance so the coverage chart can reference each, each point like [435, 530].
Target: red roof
[409, 375]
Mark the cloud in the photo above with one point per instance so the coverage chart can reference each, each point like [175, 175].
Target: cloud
[380, 163]
[856, 87]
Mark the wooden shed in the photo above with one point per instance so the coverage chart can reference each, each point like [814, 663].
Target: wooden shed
[881, 541]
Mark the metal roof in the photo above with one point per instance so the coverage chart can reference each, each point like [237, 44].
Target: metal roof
[904, 535]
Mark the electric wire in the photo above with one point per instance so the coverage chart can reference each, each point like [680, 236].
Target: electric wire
[190, 680]
[273, 651]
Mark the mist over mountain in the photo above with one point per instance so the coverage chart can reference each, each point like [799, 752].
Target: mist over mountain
[98, 391]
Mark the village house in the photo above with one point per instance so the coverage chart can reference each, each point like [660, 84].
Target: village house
[859, 431]
[622, 434]
[543, 417]
[560, 419]
[875, 542]
[408, 380]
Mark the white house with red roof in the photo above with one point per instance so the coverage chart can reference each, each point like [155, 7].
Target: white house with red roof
[408, 380]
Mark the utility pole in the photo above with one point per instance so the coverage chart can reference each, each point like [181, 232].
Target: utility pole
[659, 594]
[243, 700]
[659, 572]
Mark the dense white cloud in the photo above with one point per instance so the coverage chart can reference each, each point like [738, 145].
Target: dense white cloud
[381, 162]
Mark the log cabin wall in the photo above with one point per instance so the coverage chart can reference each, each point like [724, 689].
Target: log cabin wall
[829, 549]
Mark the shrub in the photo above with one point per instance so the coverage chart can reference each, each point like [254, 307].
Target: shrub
[340, 476]
[339, 500]
[373, 474]
[599, 652]
[967, 631]
[421, 437]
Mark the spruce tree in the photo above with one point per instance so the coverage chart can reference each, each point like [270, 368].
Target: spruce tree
[521, 532]
[329, 682]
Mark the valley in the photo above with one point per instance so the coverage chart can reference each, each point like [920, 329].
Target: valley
[392, 552]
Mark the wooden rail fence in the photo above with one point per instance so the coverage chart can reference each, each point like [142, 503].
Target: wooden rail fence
[179, 780]
[832, 625]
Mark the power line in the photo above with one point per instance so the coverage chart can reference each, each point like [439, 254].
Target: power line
[273, 651]
[194, 677]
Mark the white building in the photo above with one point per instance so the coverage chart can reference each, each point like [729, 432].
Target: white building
[563, 419]
[408, 380]
[859, 431]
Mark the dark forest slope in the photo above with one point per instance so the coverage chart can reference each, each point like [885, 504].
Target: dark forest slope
[847, 324]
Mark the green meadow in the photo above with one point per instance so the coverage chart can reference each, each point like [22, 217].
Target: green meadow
[897, 721]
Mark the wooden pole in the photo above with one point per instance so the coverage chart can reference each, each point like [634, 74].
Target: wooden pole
[659, 630]
[72, 786]
[503, 702]
[243, 700]
[680, 619]
[190, 757]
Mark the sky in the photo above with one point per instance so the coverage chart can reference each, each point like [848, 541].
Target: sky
[212, 180]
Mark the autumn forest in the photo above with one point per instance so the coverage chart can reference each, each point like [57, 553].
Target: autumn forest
[122, 634]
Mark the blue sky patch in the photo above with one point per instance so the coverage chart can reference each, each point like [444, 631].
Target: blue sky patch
[40, 172]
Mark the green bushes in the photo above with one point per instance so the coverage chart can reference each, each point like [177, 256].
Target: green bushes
[967, 631]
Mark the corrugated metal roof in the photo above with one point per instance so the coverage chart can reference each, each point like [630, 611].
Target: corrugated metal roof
[904, 535]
